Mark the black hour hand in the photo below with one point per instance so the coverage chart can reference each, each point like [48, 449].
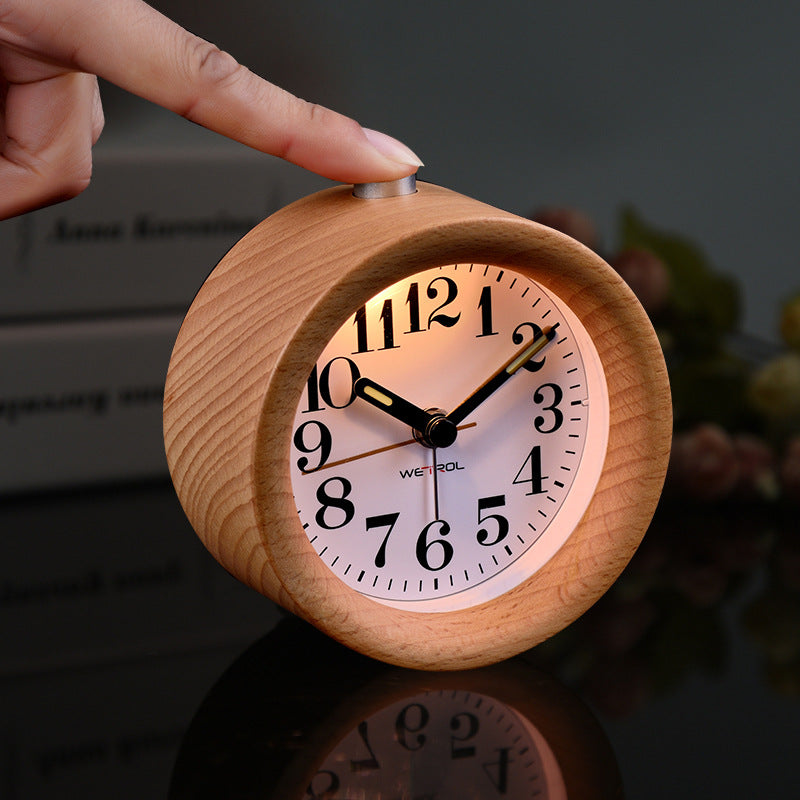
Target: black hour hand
[434, 429]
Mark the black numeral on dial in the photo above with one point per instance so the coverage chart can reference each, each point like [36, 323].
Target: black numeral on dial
[311, 437]
[343, 509]
[518, 338]
[553, 392]
[434, 291]
[500, 523]
[382, 521]
[452, 290]
[531, 472]
[433, 548]
[485, 306]
[319, 387]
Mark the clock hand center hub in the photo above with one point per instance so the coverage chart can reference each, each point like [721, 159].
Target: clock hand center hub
[439, 430]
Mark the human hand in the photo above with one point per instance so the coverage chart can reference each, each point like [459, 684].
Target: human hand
[50, 112]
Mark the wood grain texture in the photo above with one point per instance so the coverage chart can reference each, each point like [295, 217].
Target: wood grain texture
[250, 340]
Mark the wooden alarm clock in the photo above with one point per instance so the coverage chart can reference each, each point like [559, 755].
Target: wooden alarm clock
[433, 429]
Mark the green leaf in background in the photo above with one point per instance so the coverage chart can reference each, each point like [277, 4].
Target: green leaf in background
[687, 639]
[711, 389]
[789, 323]
[704, 302]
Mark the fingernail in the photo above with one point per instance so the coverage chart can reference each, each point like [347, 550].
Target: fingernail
[392, 149]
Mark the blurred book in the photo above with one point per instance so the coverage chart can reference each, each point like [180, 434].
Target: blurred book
[80, 401]
[108, 575]
[92, 293]
[143, 236]
[114, 622]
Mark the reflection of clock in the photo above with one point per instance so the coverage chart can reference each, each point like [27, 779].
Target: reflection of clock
[469, 411]
[444, 743]
[271, 728]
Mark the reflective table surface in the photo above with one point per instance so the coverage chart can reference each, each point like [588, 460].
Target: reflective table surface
[132, 666]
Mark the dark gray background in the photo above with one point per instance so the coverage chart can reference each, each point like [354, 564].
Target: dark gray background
[686, 110]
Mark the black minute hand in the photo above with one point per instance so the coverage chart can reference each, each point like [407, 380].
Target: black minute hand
[490, 386]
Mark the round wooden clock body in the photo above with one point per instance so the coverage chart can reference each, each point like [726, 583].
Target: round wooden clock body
[256, 429]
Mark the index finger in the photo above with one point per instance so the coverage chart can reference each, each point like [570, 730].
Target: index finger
[132, 45]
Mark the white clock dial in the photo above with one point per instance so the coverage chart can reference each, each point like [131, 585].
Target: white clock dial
[445, 743]
[446, 527]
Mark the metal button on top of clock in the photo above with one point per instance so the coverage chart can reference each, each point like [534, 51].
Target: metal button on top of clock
[382, 189]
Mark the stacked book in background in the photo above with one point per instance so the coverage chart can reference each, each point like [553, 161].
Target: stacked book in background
[92, 293]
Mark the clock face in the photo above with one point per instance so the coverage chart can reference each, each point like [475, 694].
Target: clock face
[433, 524]
[444, 743]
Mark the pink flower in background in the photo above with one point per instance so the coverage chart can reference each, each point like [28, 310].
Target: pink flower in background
[569, 221]
[647, 276]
